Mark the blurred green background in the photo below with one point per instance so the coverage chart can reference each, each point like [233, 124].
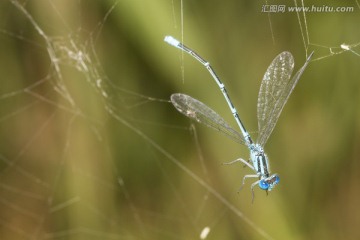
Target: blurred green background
[91, 148]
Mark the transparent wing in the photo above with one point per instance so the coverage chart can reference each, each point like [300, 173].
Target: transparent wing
[275, 90]
[197, 110]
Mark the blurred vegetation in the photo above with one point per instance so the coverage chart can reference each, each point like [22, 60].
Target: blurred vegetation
[92, 149]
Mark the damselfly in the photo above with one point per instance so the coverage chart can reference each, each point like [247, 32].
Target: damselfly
[275, 90]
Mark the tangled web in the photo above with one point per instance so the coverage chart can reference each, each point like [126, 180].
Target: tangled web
[88, 153]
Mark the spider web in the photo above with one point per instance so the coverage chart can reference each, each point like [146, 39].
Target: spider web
[92, 148]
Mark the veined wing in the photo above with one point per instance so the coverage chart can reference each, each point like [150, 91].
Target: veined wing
[197, 110]
[275, 90]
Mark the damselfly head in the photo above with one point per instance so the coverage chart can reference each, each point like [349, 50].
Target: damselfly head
[269, 183]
